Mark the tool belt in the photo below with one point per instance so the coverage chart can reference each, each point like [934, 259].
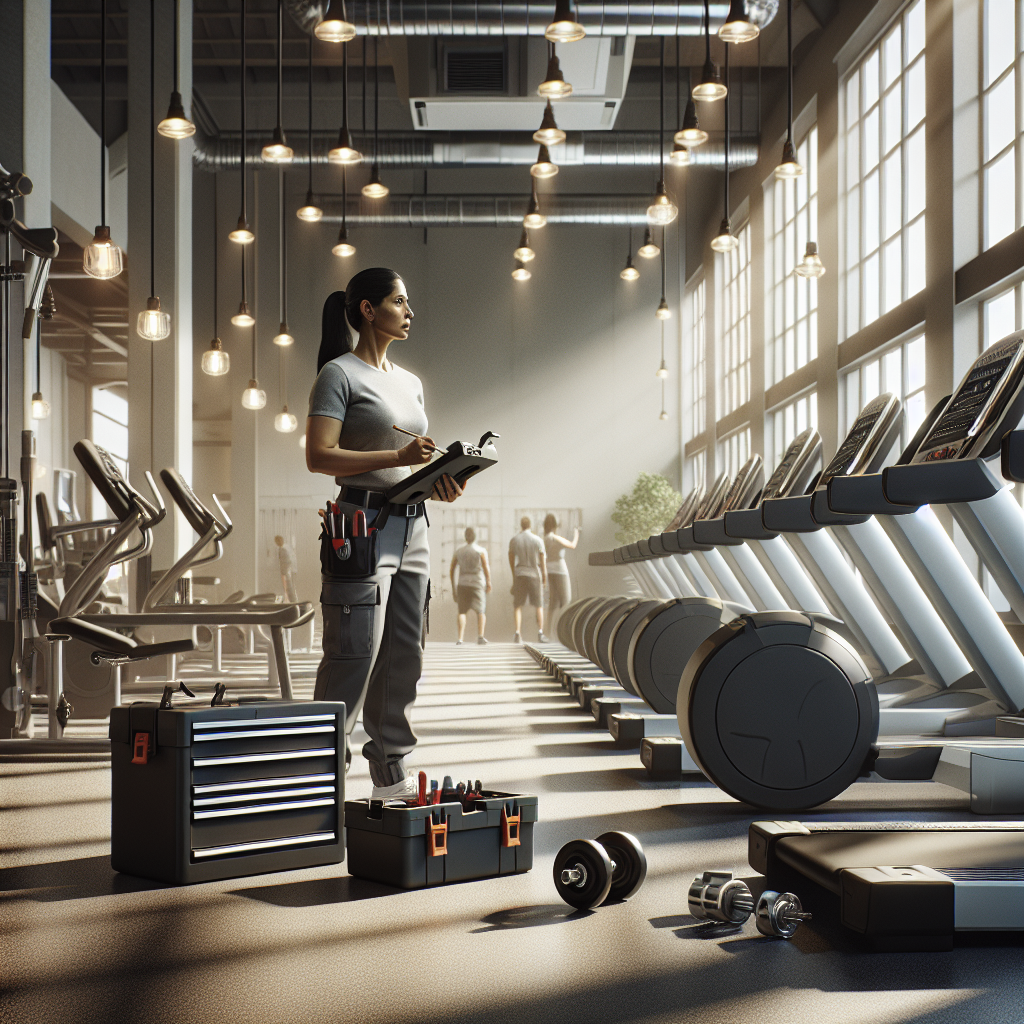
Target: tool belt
[352, 552]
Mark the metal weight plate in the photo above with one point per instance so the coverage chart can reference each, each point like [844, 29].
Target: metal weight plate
[630, 861]
[591, 868]
[564, 629]
[619, 643]
[602, 642]
[594, 623]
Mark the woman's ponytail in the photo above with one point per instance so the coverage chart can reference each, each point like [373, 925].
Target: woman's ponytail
[334, 336]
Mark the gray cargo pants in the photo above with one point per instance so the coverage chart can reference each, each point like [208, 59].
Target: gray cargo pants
[372, 642]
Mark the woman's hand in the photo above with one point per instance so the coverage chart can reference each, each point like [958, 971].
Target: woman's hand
[418, 451]
[446, 489]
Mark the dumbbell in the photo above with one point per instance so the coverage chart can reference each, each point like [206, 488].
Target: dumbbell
[717, 896]
[589, 872]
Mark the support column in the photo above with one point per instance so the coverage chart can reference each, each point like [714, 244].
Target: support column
[160, 373]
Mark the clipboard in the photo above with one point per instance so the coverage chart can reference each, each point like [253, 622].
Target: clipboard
[460, 461]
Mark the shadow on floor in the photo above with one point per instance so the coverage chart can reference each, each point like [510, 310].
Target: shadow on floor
[317, 892]
[529, 917]
[71, 880]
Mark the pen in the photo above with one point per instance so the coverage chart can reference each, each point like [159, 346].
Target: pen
[412, 433]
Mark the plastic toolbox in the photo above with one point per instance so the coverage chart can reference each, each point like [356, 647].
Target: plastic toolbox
[415, 847]
[200, 792]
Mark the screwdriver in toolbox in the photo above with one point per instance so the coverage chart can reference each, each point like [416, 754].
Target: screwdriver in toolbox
[435, 793]
[422, 798]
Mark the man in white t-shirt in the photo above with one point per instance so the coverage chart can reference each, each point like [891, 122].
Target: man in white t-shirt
[474, 583]
[286, 556]
[528, 562]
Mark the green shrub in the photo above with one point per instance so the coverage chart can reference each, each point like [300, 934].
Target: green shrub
[648, 510]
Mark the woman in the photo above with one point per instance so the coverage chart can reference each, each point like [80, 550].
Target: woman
[373, 624]
[559, 591]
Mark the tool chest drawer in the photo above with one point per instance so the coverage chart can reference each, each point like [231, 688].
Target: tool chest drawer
[200, 792]
[419, 846]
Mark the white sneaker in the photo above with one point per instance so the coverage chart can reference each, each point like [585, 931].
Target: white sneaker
[404, 790]
[458, 643]
[480, 640]
[542, 639]
[517, 639]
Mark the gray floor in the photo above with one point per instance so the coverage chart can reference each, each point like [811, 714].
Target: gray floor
[83, 944]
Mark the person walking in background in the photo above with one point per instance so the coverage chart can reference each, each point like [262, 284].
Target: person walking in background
[529, 574]
[474, 584]
[286, 556]
[559, 589]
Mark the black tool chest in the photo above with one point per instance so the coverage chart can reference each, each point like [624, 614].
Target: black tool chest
[200, 792]
[415, 847]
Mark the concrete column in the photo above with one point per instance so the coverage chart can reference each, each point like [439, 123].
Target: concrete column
[160, 373]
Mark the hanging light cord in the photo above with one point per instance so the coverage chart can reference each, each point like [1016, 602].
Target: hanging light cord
[242, 161]
[103, 111]
[679, 109]
[177, 29]
[215, 257]
[344, 83]
[39, 350]
[661, 116]
[280, 55]
[344, 200]
[365, 47]
[310, 84]
[707, 33]
[376, 96]
[629, 255]
[789, 66]
[284, 251]
[152, 146]
[727, 105]
[664, 279]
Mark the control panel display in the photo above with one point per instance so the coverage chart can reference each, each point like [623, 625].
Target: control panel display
[867, 432]
[794, 458]
[746, 480]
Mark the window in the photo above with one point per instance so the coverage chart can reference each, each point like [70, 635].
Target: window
[900, 371]
[1000, 316]
[883, 193]
[733, 451]
[791, 302]
[1000, 119]
[788, 421]
[734, 364]
[110, 431]
[696, 470]
[696, 382]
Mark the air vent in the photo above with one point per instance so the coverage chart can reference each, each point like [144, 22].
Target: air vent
[474, 70]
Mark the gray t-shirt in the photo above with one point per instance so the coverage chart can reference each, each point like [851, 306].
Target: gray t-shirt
[368, 401]
[528, 549]
[471, 567]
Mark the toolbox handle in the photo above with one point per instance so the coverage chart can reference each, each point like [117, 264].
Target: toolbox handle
[510, 826]
[437, 836]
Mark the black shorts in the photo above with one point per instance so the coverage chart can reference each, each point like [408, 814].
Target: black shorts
[527, 588]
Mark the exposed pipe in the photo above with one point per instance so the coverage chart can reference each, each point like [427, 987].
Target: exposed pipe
[499, 18]
[478, 149]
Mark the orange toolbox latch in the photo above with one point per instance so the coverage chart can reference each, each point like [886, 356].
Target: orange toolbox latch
[510, 827]
[437, 835]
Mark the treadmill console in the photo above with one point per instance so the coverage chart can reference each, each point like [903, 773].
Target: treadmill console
[869, 440]
[794, 472]
[988, 404]
[684, 516]
[712, 506]
[746, 487]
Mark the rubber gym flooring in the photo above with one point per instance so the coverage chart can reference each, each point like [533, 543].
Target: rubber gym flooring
[81, 944]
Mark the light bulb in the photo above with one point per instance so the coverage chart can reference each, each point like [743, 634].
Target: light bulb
[344, 152]
[649, 249]
[176, 125]
[810, 265]
[375, 188]
[243, 318]
[629, 272]
[302, 441]
[789, 168]
[215, 362]
[343, 247]
[549, 134]
[710, 86]
[253, 397]
[283, 336]
[663, 312]
[725, 240]
[102, 259]
[691, 133]
[662, 371]
[662, 415]
[285, 422]
[524, 253]
[277, 151]
[737, 27]
[662, 210]
[153, 323]
[564, 28]
[335, 30]
[544, 168]
[680, 156]
[534, 218]
[40, 407]
[310, 212]
[554, 86]
[242, 233]
[521, 273]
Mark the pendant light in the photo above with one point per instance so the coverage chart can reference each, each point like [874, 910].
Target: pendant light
[710, 86]
[243, 318]
[176, 125]
[215, 362]
[534, 218]
[284, 422]
[680, 155]
[811, 265]
[663, 312]
[344, 152]
[725, 240]
[650, 248]
[254, 397]
[524, 253]
[549, 134]
[344, 247]
[242, 233]
[629, 272]
[663, 415]
[284, 336]
[554, 86]
[335, 30]
[153, 323]
[521, 273]
[789, 168]
[40, 407]
[375, 188]
[690, 132]
[662, 210]
[277, 151]
[103, 259]
[737, 27]
[309, 211]
[544, 168]
[564, 27]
